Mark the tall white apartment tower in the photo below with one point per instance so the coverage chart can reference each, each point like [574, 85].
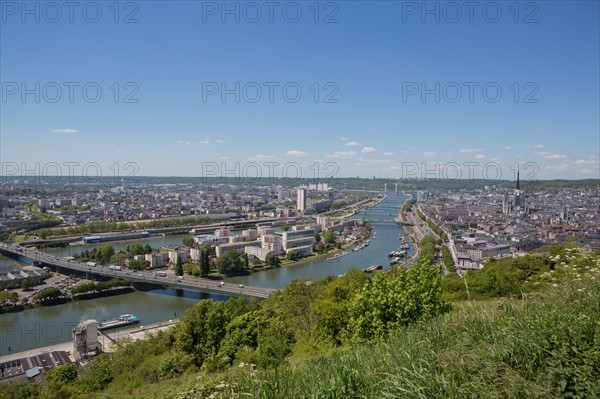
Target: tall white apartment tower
[301, 201]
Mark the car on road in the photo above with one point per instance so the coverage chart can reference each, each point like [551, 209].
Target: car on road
[221, 283]
[241, 285]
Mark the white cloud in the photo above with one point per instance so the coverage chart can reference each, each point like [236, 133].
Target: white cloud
[369, 161]
[555, 156]
[536, 146]
[429, 154]
[479, 156]
[470, 150]
[68, 131]
[507, 148]
[297, 154]
[261, 157]
[352, 144]
[106, 145]
[557, 168]
[342, 154]
[368, 150]
[547, 155]
[344, 138]
[219, 141]
[187, 142]
[388, 154]
[588, 161]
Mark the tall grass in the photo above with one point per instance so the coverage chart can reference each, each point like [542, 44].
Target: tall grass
[542, 348]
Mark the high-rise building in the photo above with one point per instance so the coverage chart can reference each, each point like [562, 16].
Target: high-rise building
[301, 201]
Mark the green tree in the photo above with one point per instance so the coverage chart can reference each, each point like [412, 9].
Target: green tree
[49, 293]
[271, 259]
[56, 383]
[389, 301]
[178, 267]
[332, 308]
[201, 330]
[27, 284]
[204, 263]
[448, 260]
[104, 253]
[7, 296]
[134, 264]
[428, 248]
[188, 241]
[329, 236]
[20, 390]
[188, 267]
[231, 263]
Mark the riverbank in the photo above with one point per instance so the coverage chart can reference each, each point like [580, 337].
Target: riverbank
[33, 304]
[414, 241]
[111, 340]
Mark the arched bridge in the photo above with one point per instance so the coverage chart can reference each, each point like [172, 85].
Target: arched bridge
[388, 221]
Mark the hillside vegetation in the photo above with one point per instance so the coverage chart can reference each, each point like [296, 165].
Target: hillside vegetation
[536, 335]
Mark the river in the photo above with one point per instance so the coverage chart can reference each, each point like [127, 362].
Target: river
[43, 326]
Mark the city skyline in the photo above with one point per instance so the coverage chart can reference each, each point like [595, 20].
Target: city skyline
[367, 89]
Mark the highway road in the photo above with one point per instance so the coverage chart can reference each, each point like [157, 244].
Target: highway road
[187, 282]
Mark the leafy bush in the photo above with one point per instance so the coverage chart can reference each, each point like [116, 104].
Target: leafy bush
[389, 302]
[49, 293]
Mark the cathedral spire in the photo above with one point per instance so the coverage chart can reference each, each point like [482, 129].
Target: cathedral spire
[518, 188]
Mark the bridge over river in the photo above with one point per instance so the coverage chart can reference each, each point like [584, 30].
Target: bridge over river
[383, 221]
[188, 283]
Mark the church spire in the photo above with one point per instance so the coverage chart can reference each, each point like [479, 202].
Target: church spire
[518, 188]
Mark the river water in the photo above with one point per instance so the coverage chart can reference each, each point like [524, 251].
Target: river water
[43, 326]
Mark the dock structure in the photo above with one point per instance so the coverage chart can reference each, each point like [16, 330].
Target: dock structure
[145, 277]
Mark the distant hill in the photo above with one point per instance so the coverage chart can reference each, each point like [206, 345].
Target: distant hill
[352, 183]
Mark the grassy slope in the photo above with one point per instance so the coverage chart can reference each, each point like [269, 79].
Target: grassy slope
[541, 348]
[549, 347]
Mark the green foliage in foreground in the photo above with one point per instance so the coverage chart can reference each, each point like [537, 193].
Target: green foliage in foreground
[308, 340]
[544, 348]
[521, 276]
[385, 303]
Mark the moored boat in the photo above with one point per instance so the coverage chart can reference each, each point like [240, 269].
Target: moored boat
[372, 268]
[123, 320]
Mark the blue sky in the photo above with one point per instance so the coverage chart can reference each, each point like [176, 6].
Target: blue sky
[371, 63]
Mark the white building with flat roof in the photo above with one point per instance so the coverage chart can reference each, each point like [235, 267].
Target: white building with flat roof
[210, 239]
[236, 246]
